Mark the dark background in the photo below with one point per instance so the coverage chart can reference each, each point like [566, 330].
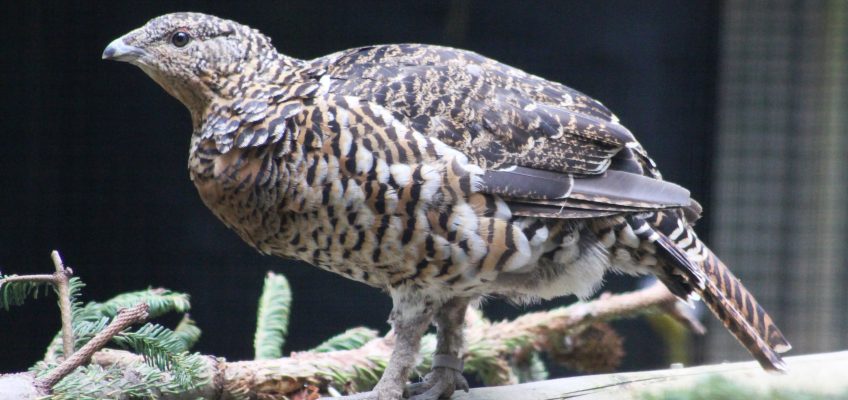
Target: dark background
[93, 154]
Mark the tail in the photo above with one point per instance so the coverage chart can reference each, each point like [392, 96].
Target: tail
[740, 313]
[692, 266]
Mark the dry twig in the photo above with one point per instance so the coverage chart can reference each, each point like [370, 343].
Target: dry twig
[61, 280]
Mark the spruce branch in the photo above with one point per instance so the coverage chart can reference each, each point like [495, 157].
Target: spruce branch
[489, 345]
[350, 339]
[124, 319]
[272, 321]
[88, 328]
[162, 366]
[15, 289]
[160, 301]
[187, 331]
[498, 353]
[156, 343]
[84, 331]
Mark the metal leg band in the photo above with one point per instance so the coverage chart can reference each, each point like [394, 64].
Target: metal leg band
[447, 361]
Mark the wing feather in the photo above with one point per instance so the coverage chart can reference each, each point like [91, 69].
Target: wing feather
[544, 193]
[526, 183]
[624, 188]
[545, 148]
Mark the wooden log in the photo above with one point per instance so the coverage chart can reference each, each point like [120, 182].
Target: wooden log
[824, 374]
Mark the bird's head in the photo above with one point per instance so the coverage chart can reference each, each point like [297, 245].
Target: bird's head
[195, 57]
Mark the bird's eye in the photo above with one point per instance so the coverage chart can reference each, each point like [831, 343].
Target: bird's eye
[180, 38]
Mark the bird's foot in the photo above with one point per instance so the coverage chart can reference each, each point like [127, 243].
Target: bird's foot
[441, 382]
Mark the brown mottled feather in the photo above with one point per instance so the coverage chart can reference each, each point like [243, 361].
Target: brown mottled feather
[431, 172]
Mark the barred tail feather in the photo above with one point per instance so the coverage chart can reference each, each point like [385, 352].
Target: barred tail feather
[723, 289]
[720, 290]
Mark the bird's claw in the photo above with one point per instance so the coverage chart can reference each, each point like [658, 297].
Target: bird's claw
[440, 383]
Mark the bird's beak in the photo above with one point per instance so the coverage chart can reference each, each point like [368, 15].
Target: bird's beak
[118, 50]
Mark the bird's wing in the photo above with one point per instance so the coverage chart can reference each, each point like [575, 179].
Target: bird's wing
[547, 149]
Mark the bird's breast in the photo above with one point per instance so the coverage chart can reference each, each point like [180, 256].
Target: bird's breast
[244, 188]
[381, 232]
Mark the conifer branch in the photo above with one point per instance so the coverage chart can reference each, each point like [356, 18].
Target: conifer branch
[63, 290]
[15, 289]
[159, 301]
[161, 367]
[350, 339]
[357, 369]
[124, 319]
[272, 322]
[187, 331]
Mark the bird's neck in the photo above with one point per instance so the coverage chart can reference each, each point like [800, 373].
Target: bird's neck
[231, 118]
[240, 82]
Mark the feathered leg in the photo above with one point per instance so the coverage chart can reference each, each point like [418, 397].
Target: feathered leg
[410, 318]
[446, 375]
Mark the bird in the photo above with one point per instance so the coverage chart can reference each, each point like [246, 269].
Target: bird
[434, 174]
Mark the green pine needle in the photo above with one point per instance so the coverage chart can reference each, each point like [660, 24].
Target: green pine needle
[155, 342]
[533, 370]
[160, 301]
[137, 381]
[17, 292]
[162, 349]
[167, 368]
[188, 331]
[86, 330]
[75, 290]
[273, 319]
[348, 340]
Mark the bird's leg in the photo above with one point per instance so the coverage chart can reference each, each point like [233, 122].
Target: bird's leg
[446, 375]
[410, 318]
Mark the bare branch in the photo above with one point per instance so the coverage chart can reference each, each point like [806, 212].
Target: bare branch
[29, 278]
[61, 279]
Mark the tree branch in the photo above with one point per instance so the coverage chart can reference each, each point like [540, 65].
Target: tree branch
[356, 369]
[30, 278]
[61, 279]
[124, 319]
[61, 283]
